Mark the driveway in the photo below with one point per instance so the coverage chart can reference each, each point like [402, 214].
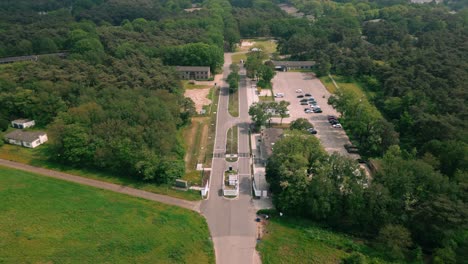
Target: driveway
[331, 138]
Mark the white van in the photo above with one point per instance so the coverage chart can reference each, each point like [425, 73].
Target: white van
[279, 95]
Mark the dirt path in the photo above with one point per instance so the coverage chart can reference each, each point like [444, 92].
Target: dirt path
[194, 206]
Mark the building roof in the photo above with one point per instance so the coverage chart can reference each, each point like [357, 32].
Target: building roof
[269, 138]
[193, 68]
[21, 121]
[293, 63]
[25, 136]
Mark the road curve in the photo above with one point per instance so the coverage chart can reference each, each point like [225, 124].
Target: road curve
[191, 205]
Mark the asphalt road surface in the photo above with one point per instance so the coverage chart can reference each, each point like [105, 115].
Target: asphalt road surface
[231, 221]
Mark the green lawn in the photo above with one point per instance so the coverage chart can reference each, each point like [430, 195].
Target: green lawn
[237, 57]
[38, 157]
[297, 241]
[231, 140]
[342, 83]
[188, 85]
[268, 45]
[233, 106]
[44, 220]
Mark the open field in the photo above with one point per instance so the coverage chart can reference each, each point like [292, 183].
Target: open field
[195, 140]
[342, 83]
[238, 56]
[268, 45]
[298, 241]
[38, 157]
[45, 220]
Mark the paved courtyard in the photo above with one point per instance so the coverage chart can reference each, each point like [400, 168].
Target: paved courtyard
[331, 138]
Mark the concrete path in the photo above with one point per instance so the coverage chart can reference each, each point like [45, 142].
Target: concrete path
[194, 206]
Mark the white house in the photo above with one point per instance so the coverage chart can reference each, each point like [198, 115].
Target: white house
[22, 123]
[26, 138]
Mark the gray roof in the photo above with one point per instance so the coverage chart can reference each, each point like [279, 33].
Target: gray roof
[25, 136]
[293, 63]
[22, 121]
[193, 68]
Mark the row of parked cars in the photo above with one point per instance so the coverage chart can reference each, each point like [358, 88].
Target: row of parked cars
[309, 100]
[333, 120]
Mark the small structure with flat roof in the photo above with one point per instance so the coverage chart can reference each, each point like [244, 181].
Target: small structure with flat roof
[22, 123]
[28, 139]
[293, 65]
[194, 72]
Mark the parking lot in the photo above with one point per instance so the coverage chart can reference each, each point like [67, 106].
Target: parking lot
[331, 138]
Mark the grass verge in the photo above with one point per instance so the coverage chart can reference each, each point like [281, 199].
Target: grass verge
[233, 106]
[231, 140]
[38, 157]
[342, 84]
[299, 241]
[189, 86]
[195, 138]
[236, 58]
[212, 112]
[46, 220]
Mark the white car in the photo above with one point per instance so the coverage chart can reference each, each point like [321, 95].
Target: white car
[299, 91]
[337, 125]
[279, 95]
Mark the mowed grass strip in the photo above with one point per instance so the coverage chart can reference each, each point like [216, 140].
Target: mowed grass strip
[233, 106]
[38, 157]
[299, 241]
[45, 220]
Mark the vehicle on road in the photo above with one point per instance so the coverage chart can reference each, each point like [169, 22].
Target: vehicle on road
[338, 125]
[299, 91]
[300, 96]
[350, 148]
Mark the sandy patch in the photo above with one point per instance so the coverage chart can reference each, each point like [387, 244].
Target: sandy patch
[247, 43]
[198, 96]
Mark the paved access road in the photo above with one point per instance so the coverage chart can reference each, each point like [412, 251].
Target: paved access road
[195, 206]
[231, 222]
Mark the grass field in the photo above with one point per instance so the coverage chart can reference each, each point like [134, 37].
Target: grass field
[233, 106]
[37, 157]
[296, 241]
[267, 45]
[237, 57]
[195, 139]
[342, 83]
[45, 220]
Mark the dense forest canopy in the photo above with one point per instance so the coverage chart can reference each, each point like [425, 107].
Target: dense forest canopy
[115, 102]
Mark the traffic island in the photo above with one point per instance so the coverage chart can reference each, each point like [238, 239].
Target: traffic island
[231, 184]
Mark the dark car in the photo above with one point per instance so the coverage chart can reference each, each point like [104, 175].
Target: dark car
[330, 117]
[333, 121]
[312, 130]
[307, 94]
[351, 148]
[304, 103]
[317, 110]
[300, 96]
[303, 100]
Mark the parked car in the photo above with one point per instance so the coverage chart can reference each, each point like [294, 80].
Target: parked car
[313, 103]
[317, 110]
[303, 100]
[300, 96]
[279, 95]
[315, 107]
[330, 117]
[333, 121]
[299, 91]
[312, 130]
[308, 110]
[307, 94]
[338, 125]
[304, 103]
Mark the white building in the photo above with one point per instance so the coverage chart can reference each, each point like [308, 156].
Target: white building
[26, 139]
[22, 123]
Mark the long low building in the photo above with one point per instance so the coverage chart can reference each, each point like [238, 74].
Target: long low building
[293, 65]
[29, 139]
[194, 72]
